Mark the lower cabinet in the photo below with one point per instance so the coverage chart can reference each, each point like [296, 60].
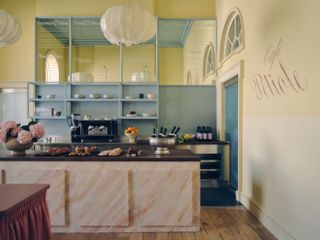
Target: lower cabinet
[56, 194]
[164, 197]
[115, 196]
[101, 198]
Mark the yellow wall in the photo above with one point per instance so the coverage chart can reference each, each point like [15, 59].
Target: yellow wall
[135, 58]
[83, 7]
[171, 66]
[17, 61]
[110, 57]
[280, 157]
[185, 9]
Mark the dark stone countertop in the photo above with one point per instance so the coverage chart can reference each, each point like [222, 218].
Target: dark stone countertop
[146, 155]
[119, 143]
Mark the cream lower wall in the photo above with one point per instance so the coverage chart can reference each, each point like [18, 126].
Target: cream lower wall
[281, 172]
[280, 146]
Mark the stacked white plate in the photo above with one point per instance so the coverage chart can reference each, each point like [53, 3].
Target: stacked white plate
[10, 29]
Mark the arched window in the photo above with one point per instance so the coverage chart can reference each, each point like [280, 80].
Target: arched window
[209, 65]
[232, 36]
[52, 68]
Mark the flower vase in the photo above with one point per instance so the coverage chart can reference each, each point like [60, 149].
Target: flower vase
[17, 148]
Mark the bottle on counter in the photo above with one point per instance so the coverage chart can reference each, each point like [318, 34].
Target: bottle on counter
[204, 134]
[199, 134]
[210, 135]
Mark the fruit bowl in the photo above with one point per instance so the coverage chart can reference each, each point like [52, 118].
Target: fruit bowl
[185, 138]
[132, 137]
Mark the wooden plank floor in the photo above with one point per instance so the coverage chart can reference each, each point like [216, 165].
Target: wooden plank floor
[225, 223]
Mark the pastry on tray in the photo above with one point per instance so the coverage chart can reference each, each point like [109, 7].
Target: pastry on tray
[104, 153]
[115, 152]
[55, 151]
[83, 151]
[111, 153]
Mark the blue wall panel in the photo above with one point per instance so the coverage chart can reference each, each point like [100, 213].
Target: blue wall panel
[231, 128]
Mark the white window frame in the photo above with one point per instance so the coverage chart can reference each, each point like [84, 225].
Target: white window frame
[224, 36]
[209, 76]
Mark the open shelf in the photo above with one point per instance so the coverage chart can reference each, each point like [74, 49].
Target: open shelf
[46, 100]
[95, 83]
[93, 100]
[49, 117]
[138, 118]
[139, 84]
[138, 100]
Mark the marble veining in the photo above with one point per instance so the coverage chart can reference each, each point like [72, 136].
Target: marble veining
[116, 196]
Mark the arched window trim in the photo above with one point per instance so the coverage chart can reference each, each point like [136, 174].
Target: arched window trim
[225, 31]
[209, 76]
[56, 78]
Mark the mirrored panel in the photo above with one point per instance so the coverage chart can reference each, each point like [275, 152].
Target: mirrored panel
[187, 52]
[139, 63]
[94, 58]
[52, 50]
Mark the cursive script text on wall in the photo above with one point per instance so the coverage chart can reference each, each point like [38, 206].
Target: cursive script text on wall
[269, 84]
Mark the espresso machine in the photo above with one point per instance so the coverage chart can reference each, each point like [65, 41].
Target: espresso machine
[87, 130]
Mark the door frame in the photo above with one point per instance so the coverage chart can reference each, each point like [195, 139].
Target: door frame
[234, 71]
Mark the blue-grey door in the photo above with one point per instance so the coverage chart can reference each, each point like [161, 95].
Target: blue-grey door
[231, 127]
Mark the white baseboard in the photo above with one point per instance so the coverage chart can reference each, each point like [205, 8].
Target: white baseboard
[272, 225]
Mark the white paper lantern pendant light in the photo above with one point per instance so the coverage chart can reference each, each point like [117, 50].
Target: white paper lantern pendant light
[10, 29]
[128, 24]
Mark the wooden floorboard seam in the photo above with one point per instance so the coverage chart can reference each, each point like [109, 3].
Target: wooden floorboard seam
[221, 223]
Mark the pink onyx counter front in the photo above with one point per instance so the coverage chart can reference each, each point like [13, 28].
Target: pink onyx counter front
[150, 193]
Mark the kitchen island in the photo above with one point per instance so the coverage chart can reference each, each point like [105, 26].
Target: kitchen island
[147, 193]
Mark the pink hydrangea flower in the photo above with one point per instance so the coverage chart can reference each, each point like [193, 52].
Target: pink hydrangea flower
[7, 125]
[3, 135]
[24, 137]
[37, 130]
[14, 132]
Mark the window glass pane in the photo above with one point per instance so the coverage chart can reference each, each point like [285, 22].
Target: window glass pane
[139, 63]
[228, 49]
[238, 28]
[52, 69]
[236, 44]
[231, 33]
[94, 58]
[52, 36]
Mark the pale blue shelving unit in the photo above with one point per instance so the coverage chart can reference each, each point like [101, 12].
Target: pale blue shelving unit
[69, 33]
